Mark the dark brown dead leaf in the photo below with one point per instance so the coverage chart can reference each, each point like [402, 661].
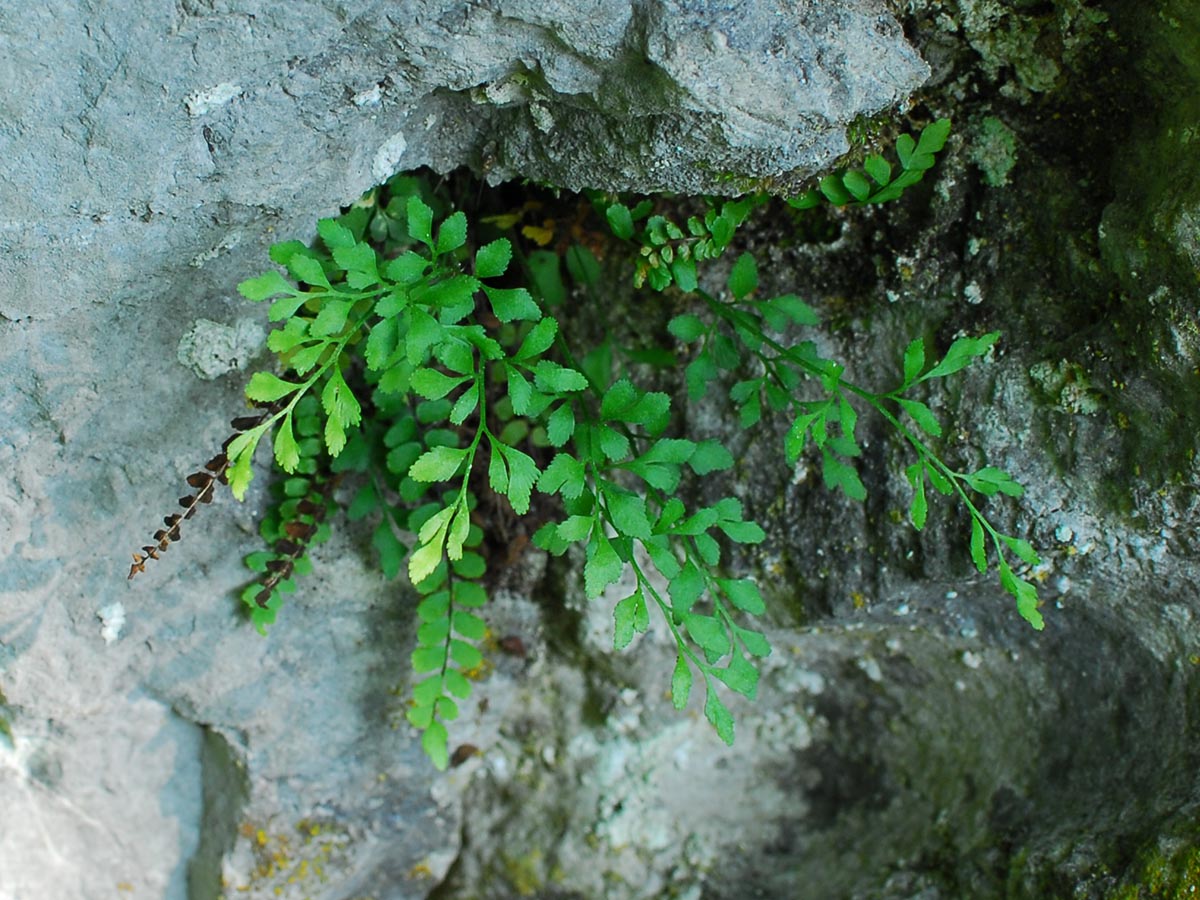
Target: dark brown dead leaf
[299, 531]
[513, 645]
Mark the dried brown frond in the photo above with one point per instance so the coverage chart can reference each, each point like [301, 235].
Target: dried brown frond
[202, 481]
[300, 530]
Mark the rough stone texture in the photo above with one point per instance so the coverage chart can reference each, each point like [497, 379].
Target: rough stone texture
[913, 737]
[149, 146]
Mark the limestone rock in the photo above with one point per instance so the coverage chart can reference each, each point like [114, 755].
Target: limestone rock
[147, 138]
[913, 737]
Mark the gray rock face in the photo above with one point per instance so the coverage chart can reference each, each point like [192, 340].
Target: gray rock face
[913, 738]
[156, 144]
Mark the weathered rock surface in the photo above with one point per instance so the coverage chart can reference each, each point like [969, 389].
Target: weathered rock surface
[154, 148]
[913, 738]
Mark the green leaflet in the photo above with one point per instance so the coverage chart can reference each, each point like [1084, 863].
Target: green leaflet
[420, 221]
[978, 549]
[630, 617]
[741, 676]
[432, 384]
[307, 269]
[686, 587]
[627, 512]
[914, 361]
[718, 715]
[407, 268]
[266, 387]
[492, 260]
[743, 594]
[960, 355]
[561, 425]
[538, 340]
[709, 633]
[603, 567]
[840, 474]
[620, 220]
[565, 475]
[710, 456]
[878, 168]
[511, 304]
[287, 451]
[681, 683]
[554, 378]
[922, 415]
[743, 277]
[335, 235]
[522, 474]
[919, 507]
[269, 284]
[359, 263]
[687, 327]
[452, 233]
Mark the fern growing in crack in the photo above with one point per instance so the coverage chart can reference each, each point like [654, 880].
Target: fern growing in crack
[743, 327]
[419, 367]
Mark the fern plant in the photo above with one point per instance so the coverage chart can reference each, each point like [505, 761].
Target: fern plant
[829, 420]
[878, 181]
[417, 364]
[668, 252]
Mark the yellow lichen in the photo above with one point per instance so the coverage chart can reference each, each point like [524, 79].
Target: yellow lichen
[420, 870]
[481, 671]
[277, 865]
[524, 872]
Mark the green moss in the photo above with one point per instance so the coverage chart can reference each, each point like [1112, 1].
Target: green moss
[1066, 385]
[869, 131]
[994, 150]
[1166, 870]
[1150, 233]
[1035, 42]
[524, 872]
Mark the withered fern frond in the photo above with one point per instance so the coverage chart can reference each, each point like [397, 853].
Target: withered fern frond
[203, 481]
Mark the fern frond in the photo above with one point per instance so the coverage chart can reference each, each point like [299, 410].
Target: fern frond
[203, 480]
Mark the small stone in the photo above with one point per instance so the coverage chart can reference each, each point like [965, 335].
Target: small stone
[201, 103]
[871, 669]
[112, 618]
[211, 349]
[370, 97]
[388, 156]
